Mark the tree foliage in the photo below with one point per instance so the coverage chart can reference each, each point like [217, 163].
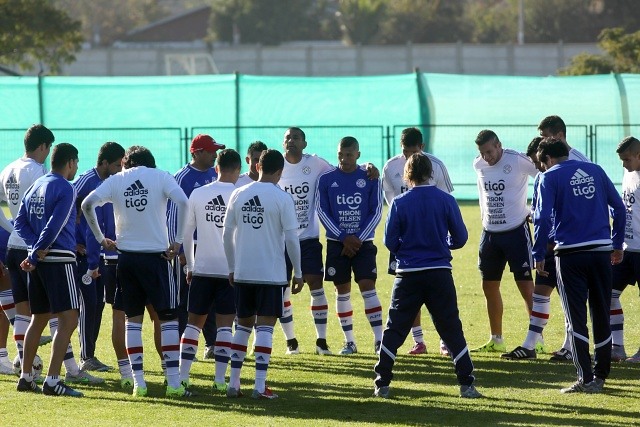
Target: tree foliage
[267, 22]
[34, 31]
[622, 55]
[424, 21]
[360, 19]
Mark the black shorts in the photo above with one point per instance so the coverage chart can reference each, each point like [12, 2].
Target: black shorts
[550, 267]
[514, 247]
[53, 288]
[258, 300]
[310, 258]
[19, 277]
[146, 278]
[205, 292]
[393, 263]
[339, 266]
[107, 278]
[627, 272]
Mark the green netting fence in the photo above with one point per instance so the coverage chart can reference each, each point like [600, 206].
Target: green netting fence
[163, 113]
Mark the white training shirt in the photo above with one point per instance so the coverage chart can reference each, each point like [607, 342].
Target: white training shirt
[207, 208]
[16, 178]
[244, 179]
[139, 196]
[393, 183]
[631, 199]
[258, 215]
[300, 180]
[503, 190]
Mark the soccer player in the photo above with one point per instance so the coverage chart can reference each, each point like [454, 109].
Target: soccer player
[502, 187]
[92, 287]
[554, 126]
[628, 271]
[139, 195]
[253, 157]
[208, 272]
[393, 184]
[544, 285]
[16, 178]
[46, 222]
[578, 196]
[350, 206]
[423, 225]
[198, 172]
[262, 217]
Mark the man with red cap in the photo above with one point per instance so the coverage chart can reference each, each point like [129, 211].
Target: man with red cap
[195, 174]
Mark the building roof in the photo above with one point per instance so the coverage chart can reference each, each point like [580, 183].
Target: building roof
[188, 26]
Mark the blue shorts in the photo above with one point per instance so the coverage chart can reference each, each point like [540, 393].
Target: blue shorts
[311, 258]
[339, 266]
[258, 300]
[146, 278]
[53, 288]
[205, 292]
[19, 277]
[513, 246]
[4, 238]
[627, 272]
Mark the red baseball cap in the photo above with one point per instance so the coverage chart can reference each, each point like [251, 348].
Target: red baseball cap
[205, 142]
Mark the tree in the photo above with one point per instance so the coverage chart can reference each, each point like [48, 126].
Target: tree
[33, 31]
[104, 22]
[267, 22]
[423, 21]
[622, 55]
[359, 19]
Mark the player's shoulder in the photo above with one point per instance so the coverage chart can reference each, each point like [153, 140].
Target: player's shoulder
[329, 172]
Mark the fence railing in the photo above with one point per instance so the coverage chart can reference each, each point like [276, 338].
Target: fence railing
[453, 144]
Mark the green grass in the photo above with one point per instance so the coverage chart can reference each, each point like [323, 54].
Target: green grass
[318, 390]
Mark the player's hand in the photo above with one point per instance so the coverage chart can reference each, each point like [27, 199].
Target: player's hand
[372, 171]
[80, 249]
[231, 279]
[27, 266]
[297, 284]
[182, 259]
[94, 274]
[540, 269]
[188, 277]
[42, 253]
[351, 245]
[3, 269]
[108, 244]
[172, 251]
[616, 256]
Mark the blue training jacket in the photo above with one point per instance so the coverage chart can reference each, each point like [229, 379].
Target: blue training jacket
[578, 194]
[47, 219]
[422, 227]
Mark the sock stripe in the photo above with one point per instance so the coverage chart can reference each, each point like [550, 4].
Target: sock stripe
[319, 307]
[345, 314]
[266, 350]
[540, 315]
[188, 341]
[373, 310]
[134, 350]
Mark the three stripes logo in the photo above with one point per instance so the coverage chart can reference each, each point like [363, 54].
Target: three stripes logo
[12, 190]
[583, 184]
[136, 196]
[215, 211]
[252, 212]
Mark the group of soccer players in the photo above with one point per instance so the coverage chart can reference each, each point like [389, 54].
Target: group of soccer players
[215, 252]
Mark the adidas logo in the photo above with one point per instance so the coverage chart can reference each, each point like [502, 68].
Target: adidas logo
[135, 189]
[397, 175]
[217, 204]
[253, 205]
[165, 356]
[138, 359]
[190, 349]
[221, 351]
[235, 356]
[12, 183]
[259, 359]
[334, 185]
[583, 184]
[526, 264]
[196, 185]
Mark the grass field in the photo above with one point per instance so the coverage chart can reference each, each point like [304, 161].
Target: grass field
[317, 390]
